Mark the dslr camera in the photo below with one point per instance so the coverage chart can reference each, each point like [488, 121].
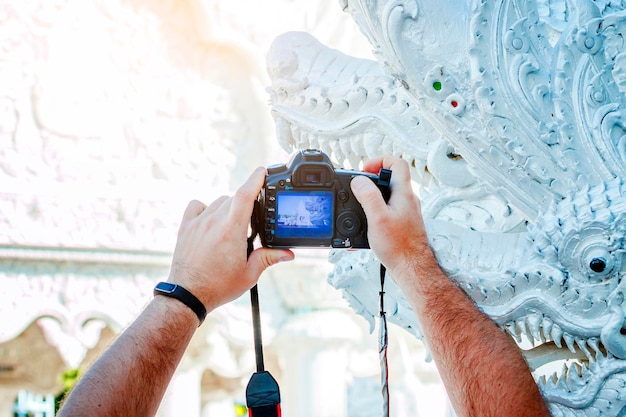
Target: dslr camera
[309, 203]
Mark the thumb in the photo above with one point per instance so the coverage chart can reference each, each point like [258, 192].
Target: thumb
[262, 258]
[368, 195]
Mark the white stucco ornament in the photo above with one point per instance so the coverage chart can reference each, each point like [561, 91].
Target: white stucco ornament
[512, 116]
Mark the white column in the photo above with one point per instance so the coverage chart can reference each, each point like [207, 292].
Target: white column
[314, 362]
[219, 408]
[182, 397]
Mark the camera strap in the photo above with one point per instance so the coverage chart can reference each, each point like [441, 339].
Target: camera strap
[262, 392]
[383, 340]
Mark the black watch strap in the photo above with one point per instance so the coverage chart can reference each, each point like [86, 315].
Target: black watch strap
[176, 291]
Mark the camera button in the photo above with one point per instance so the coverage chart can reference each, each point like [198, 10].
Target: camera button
[343, 195]
[341, 243]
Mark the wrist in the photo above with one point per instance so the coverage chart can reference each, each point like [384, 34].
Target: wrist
[171, 311]
[417, 263]
[183, 297]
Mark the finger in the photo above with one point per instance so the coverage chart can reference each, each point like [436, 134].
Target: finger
[244, 198]
[368, 195]
[193, 210]
[262, 258]
[398, 166]
[215, 205]
[400, 172]
[373, 165]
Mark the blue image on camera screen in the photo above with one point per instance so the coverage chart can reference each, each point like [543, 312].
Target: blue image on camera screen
[306, 214]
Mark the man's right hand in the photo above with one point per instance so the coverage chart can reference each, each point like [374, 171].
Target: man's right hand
[396, 230]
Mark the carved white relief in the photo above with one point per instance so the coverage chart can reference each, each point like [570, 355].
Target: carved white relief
[113, 114]
[76, 293]
[511, 114]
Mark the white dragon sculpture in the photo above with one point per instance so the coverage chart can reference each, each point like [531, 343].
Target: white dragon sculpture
[512, 115]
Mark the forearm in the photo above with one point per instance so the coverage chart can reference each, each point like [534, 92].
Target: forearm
[481, 367]
[130, 378]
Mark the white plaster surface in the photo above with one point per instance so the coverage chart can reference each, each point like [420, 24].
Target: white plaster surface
[113, 115]
[511, 115]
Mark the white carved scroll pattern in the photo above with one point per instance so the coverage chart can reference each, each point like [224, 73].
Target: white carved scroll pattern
[527, 98]
[77, 294]
[113, 115]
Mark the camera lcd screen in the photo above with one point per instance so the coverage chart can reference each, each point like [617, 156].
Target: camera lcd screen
[304, 214]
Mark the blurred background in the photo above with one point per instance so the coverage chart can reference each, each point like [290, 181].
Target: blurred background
[113, 115]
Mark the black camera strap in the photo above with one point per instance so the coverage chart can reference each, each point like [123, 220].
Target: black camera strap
[383, 340]
[262, 392]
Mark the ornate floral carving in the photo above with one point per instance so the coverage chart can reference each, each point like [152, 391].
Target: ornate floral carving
[512, 118]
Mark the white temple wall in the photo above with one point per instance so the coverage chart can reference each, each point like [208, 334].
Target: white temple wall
[113, 115]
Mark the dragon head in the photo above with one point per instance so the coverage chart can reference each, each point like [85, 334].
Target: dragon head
[512, 117]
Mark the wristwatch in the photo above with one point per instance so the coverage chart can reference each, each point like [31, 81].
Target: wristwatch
[176, 291]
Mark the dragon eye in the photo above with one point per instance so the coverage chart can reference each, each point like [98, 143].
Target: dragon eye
[600, 262]
[592, 253]
[597, 265]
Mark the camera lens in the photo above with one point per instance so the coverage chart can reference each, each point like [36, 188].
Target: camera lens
[348, 223]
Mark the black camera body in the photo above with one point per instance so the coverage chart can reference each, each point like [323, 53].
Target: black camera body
[309, 203]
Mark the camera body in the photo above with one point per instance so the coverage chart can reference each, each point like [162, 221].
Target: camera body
[309, 203]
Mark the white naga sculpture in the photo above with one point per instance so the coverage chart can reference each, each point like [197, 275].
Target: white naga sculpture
[512, 115]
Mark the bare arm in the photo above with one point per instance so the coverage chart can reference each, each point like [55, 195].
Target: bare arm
[130, 378]
[210, 261]
[482, 369]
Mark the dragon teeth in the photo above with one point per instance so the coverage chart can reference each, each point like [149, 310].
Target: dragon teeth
[299, 137]
[313, 143]
[387, 147]
[574, 377]
[356, 145]
[562, 382]
[535, 328]
[355, 161]
[569, 341]
[554, 378]
[534, 323]
[372, 143]
[337, 152]
[284, 133]
[586, 372]
[546, 327]
[522, 327]
[594, 343]
[324, 145]
[599, 355]
[511, 329]
[582, 344]
[346, 149]
[557, 335]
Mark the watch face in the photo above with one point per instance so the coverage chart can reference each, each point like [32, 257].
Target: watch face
[166, 287]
